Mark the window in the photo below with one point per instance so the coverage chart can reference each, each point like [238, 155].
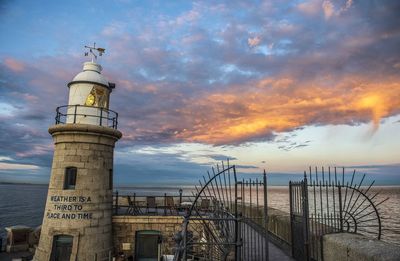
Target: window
[62, 248]
[70, 178]
[110, 179]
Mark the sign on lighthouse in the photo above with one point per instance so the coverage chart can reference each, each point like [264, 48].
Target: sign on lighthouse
[77, 223]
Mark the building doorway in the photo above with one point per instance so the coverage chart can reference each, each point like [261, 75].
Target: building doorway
[148, 245]
[62, 248]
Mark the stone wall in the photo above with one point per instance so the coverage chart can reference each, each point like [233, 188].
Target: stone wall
[353, 247]
[279, 226]
[125, 227]
[84, 212]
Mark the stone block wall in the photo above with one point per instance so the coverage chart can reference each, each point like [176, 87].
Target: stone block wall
[279, 226]
[84, 212]
[354, 247]
[125, 227]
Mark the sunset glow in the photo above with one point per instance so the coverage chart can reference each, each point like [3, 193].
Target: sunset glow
[279, 85]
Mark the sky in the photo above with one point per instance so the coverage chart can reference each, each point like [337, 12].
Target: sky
[275, 85]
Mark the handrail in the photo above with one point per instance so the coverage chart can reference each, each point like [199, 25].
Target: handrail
[134, 200]
[106, 117]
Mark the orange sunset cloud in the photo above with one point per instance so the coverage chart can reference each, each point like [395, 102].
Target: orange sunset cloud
[279, 105]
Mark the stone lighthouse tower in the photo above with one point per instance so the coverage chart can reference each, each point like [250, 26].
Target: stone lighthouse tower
[77, 220]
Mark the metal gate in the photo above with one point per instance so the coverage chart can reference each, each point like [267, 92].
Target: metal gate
[253, 218]
[298, 197]
[330, 202]
[227, 219]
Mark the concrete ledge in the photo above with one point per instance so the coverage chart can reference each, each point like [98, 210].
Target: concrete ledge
[147, 219]
[85, 128]
[346, 246]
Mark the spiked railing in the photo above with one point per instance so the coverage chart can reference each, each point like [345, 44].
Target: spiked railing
[329, 202]
[228, 226]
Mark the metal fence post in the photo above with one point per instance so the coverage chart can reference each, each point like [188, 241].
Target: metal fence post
[266, 215]
[184, 232]
[180, 197]
[165, 204]
[240, 241]
[305, 219]
[291, 216]
[58, 115]
[340, 208]
[237, 227]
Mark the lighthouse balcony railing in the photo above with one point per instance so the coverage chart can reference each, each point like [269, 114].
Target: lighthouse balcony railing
[82, 114]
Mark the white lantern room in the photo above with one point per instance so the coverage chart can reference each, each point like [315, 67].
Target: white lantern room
[89, 96]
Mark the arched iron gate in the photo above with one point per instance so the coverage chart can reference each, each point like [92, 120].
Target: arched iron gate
[227, 219]
[329, 202]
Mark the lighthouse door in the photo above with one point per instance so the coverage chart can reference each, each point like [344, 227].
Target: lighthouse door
[62, 248]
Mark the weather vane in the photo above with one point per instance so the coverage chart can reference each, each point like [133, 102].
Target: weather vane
[92, 49]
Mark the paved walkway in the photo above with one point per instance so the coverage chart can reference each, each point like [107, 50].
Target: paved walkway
[254, 247]
[276, 253]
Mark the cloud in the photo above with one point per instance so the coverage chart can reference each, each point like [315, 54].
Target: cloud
[17, 166]
[188, 17]
[114, 29]
[329, 8]
[10, 169]
[287, 143]
[14, 65]
[164, 166]
[189, 76]
[252, 42]
[6, 109]
[246, 167]
[382, 173]
[215, 91]
[347, 5]
[310, 7]
[237, 116]
[377, 166]
[224, 158]
[4, 158]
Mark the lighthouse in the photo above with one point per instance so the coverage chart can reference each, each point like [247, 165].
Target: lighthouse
[77, 222]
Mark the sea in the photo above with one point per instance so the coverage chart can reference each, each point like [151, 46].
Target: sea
[23, 204]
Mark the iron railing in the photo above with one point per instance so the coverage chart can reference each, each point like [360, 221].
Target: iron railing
[253, 210]
[86, 114]
[329, 202]
[236, 227]
[136, 204]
